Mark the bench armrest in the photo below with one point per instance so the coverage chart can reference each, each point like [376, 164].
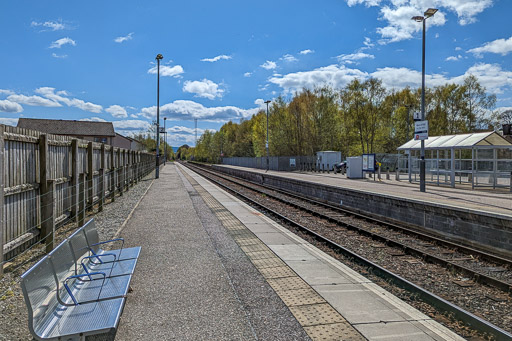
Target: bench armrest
[111, 241]
[79, 276]
[101, 262]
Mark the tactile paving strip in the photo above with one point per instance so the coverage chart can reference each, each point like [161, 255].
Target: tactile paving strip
[316, 316]
[287, 283]
[333, 332]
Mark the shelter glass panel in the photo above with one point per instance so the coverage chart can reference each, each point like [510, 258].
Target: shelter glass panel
[505, 154]
[484, 154]
[505, 166]
[485, 166]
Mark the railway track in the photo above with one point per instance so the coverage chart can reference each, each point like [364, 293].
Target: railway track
[398, 254]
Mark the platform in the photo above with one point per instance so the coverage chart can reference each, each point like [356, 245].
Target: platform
[481, 199]
[212, 268]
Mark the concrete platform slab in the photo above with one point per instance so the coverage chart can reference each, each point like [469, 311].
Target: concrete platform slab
[317, 272]
[275, 238]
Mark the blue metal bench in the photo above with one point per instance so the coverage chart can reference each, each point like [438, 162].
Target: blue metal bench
[75, 292]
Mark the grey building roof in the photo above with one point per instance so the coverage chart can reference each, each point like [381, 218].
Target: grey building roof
[68, 127]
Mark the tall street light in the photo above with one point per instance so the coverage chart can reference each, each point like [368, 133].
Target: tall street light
[428, 13]
[157, 170]
[266, 145]
[165, 142]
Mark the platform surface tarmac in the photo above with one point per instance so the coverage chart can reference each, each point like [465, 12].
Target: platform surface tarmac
[212, 268]
[480, 199]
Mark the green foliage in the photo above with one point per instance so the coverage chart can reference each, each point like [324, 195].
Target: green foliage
[363, 117]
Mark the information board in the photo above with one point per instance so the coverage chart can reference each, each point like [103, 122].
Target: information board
[368, 162]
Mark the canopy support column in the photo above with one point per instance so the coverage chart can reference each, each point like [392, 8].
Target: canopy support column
[452, 167]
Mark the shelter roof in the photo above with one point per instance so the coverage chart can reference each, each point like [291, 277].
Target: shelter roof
[460, 141]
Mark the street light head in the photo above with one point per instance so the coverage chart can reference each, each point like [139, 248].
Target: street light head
[165, 118]
[159, 56]
[430, 12]
[267, 102]
[418, 18]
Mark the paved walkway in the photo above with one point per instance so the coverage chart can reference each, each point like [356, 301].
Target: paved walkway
[192, 281]
[498, 202]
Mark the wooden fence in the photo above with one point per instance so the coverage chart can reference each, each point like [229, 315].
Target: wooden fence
[49, 179]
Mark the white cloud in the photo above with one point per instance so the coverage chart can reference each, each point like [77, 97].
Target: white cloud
[33, 101]
[189, 110]
[57, 44]
[453, 58]
[60, 97]
[499, 46]
[61, 56]
[51, 25]
[93, 119]
[269, 65]
[131, 124]
[205, 88]
[129, 36]
[491, 76]
[367, 3]
[167, 71]
[9, 121]
[332, 75]
[134, 116]
[185, 130]
[248, 74]
[6, 92]
[8, 106]
[117, 111]
[398, 13]
[215, 59]
[289, 58]
[354, 57]
[308, 51]
[367, 43]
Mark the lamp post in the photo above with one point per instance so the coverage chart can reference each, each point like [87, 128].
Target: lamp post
[266, 145]
[165, 142]
[157, 170]
[428, 13]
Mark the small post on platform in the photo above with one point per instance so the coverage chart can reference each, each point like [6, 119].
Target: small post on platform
[388, 176]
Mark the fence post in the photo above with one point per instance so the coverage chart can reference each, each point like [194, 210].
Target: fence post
[112, 174]
[74, 177]
[120, 176]
[101, 180]
[46, 195]
[48, 216]
[388, 176]
[81, 200]
[397, 176]
[2, 184]
[90, 174]
[137, 166]
[328, 170]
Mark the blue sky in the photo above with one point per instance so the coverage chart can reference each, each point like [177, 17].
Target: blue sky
[95, 60]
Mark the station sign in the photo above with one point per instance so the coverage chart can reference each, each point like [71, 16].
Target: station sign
[421, 130]
[162, 130]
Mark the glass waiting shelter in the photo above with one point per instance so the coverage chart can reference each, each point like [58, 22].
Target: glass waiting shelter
[478, 159]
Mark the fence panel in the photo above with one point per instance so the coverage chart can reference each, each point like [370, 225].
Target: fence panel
[22, 170]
